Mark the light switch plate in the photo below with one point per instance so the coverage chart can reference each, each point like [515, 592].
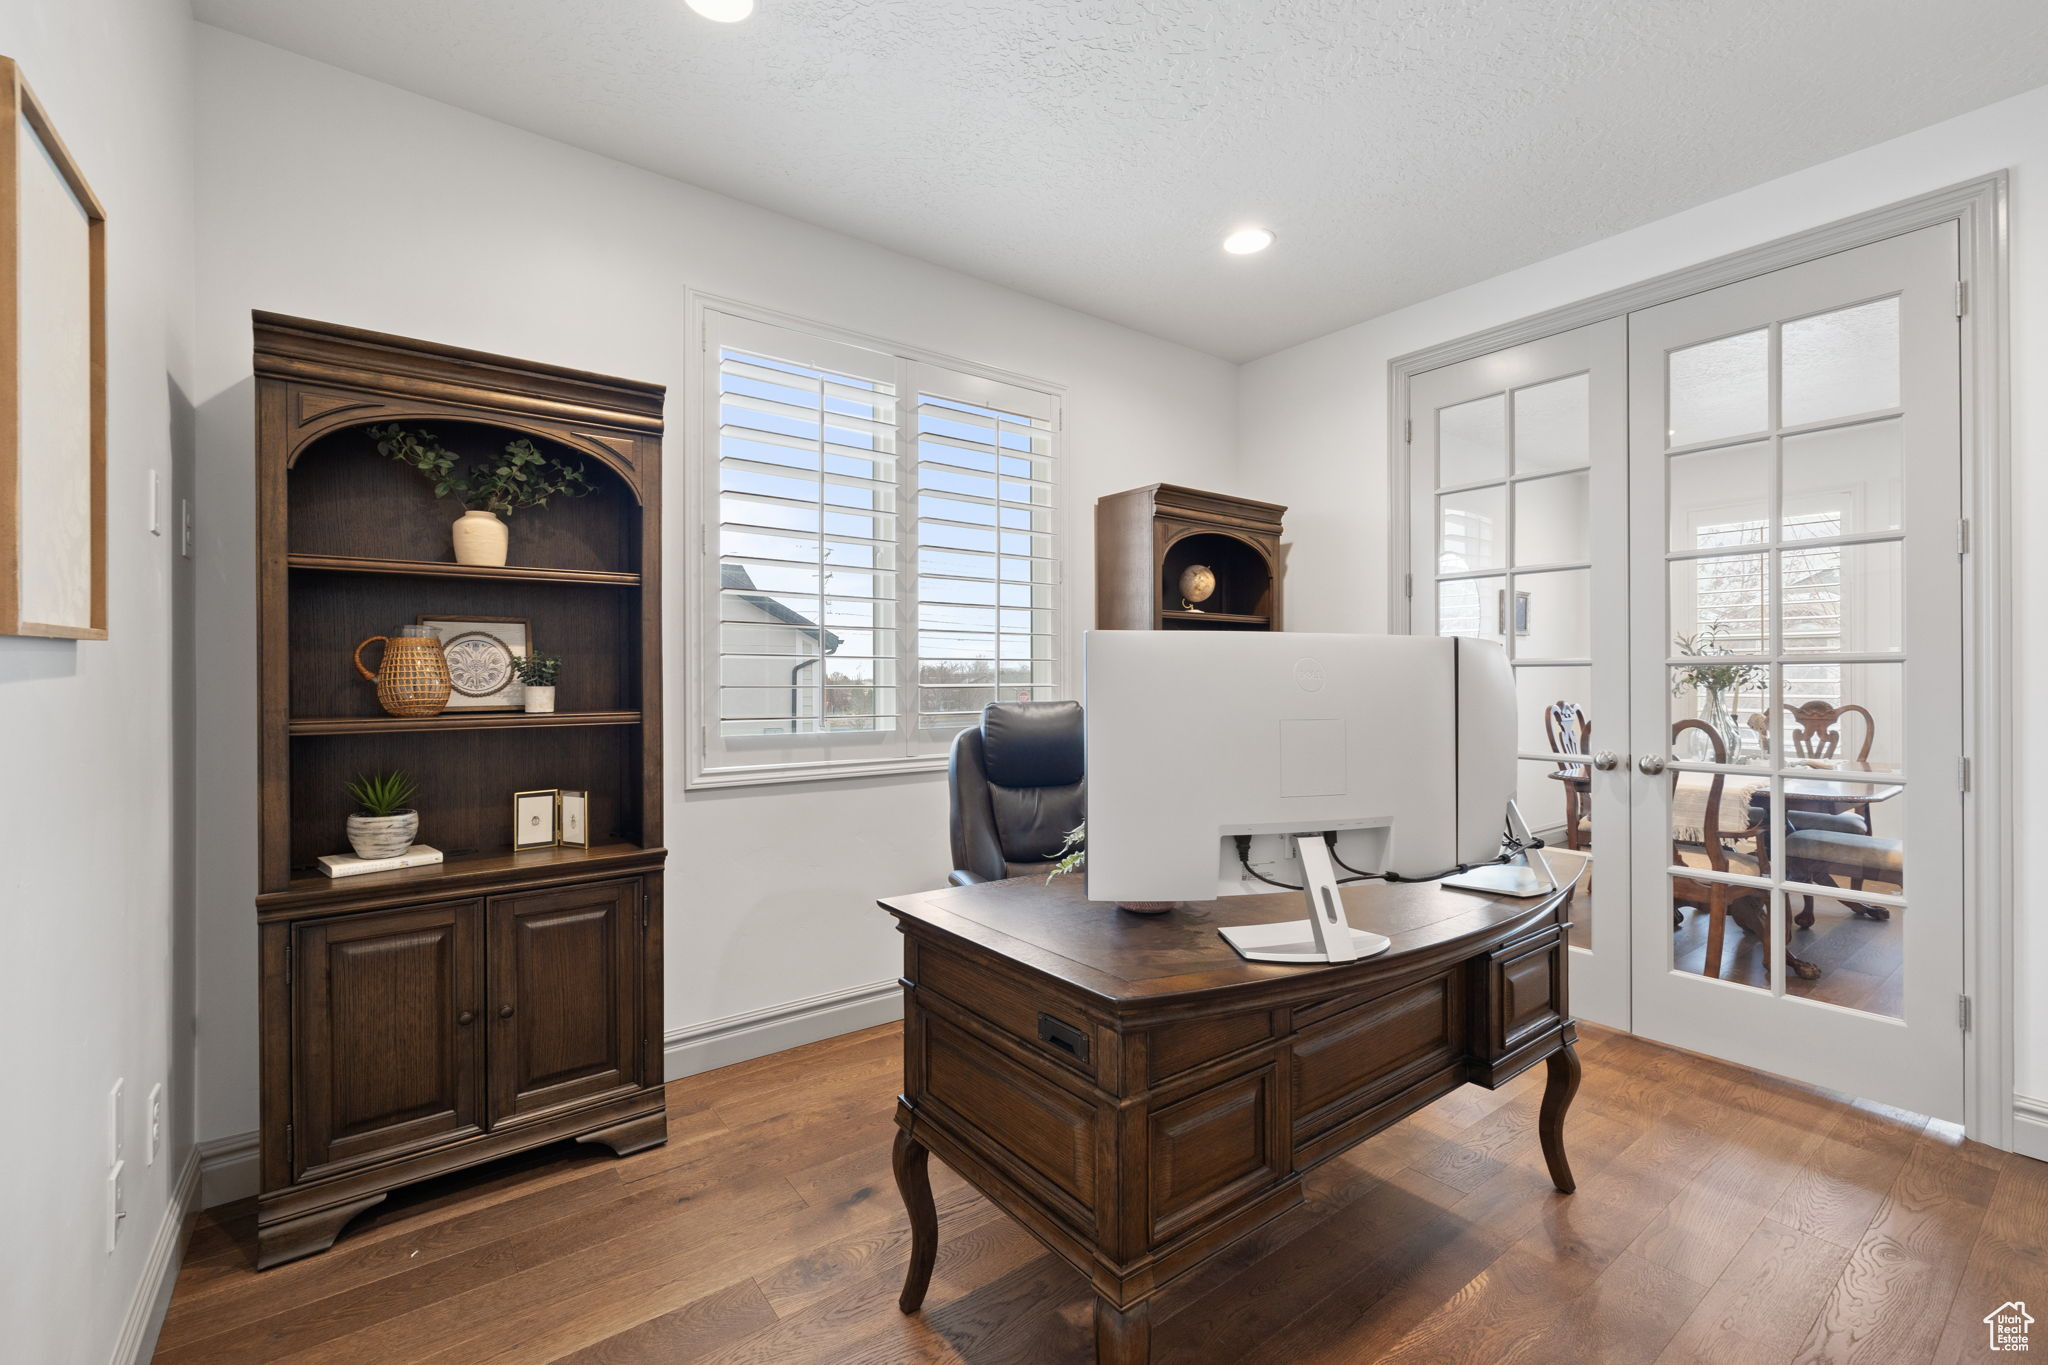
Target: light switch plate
[185, 527]
[156, 503]
[114, 1123]
[116, 1205]
[156, 1121]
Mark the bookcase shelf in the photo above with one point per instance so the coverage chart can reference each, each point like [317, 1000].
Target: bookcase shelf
[421, 568]
[456, 720]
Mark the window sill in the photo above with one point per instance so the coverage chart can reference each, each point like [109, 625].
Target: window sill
[769, 775]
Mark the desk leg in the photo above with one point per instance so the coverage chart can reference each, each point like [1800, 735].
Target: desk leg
[913, 1180]
[1561, 1085]
[1123, 1336]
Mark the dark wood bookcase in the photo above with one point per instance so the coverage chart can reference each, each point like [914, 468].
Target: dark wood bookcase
[418, 1021]
[1147, 537]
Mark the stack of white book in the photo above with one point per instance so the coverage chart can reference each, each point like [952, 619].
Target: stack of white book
[348, 865]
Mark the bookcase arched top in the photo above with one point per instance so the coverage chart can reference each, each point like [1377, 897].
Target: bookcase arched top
[617, 451]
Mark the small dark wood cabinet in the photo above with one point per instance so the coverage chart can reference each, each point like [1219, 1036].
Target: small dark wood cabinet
[418, 1021]
[1147, 537]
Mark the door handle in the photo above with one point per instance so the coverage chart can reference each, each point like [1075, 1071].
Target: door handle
[1607, 760]
[1649, 765]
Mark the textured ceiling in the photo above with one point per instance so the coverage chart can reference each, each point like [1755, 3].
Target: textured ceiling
[1093, 152]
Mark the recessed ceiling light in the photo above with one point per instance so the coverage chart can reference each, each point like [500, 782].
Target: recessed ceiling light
[723, 11]
[1245, 241]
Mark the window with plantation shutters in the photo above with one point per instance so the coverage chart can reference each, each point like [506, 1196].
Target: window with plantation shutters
[879, 558]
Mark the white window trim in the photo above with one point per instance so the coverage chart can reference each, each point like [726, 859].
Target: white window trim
[700, 557]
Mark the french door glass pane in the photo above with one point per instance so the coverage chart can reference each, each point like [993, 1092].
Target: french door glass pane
[1844, 481]
[1557, 801]
[1472, 530]
[1720, 605]
[1698, 902]
[1720, 389]
[1552, 614]
[1730, 698]
[1834, 711]
[1841, 363]
[1470, 606]
[1844, 599]
[1472, 442]
[1539, 689]
[1550, 519]
[1720, 497]
[1553, 425]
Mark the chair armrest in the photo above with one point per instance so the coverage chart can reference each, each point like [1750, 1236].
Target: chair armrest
[962, 877]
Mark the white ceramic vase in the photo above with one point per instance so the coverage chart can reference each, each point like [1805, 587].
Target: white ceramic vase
[540, 701]
[481, 539]
[383, 836]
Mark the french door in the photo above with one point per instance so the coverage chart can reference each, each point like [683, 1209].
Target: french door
[1519, 534]
[1718, 539]
[1796, 594]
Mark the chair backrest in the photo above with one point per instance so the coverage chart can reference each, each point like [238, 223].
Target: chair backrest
[1710, 818]
[1817, 729]
[1569, 730]
[1018, 785]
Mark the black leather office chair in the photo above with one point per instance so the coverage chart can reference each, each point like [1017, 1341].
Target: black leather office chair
[1018, 787]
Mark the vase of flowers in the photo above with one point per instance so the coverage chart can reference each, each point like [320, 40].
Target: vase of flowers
[489, 490]
[1716, 686]
[537, 672]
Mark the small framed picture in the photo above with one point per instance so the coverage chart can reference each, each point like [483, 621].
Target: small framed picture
[1521, 613]
[533, 819]
[480, 650]
[574, 823]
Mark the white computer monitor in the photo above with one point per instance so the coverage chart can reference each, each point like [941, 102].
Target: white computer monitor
[1402, 747]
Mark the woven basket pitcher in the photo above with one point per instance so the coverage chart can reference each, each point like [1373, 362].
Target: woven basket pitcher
[412, 677]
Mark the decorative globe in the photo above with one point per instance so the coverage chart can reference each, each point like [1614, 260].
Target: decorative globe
[1197, 583]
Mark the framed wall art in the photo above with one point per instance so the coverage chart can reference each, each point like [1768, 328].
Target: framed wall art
[533, 819]
[479, 650]
[53, 382]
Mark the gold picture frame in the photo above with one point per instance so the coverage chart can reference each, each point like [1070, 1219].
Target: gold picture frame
[53, 381]
[532, 813]
[572, 821]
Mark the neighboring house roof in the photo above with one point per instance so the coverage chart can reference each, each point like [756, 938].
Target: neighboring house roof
[734, 577]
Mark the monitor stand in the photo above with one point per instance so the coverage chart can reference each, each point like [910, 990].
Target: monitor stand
[1327, 936]
[1517, 880]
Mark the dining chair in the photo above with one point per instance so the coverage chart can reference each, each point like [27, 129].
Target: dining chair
[1817, 734]
[1570, 731]
[1719, 899]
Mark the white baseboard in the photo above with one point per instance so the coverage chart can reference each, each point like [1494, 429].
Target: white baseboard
[741, 1037]
[228, 1170]
[137, 1342]
[2030, 1127]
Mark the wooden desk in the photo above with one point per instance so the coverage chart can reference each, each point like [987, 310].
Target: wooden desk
[1139, 1097]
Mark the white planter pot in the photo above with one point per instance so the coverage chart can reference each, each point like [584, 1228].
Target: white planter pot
[540, 701]
[383, 836]
[481, 539]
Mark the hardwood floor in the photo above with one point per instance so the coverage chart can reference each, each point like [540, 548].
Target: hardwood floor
[1721, 1216]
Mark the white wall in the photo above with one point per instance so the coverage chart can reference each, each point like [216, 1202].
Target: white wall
[94, 878]
[326, 195]
[1313, 419]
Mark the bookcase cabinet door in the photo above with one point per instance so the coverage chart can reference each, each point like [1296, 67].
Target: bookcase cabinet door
[564, 996]
[389, 1054]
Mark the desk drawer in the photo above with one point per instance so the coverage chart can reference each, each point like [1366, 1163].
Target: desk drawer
[1528, 994]
[1348, 1062]
[1025, 1125]
[1043, 1023]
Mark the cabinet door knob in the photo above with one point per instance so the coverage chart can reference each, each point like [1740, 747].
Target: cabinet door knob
[504, 1011]
[466, 1017]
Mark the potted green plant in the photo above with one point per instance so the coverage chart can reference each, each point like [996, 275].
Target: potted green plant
[537, 672]
[385, 824]
[488, 490]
